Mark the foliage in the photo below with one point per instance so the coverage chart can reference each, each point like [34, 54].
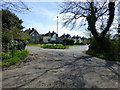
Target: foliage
[32, 44]
[8, 60]
[6, 55]
[91, 13]
[12, 31]
[76, 45]
[99, 17]
[54, 42]
[18, 6]
[54, 46]
[10, 20]
[111, 52]
[68, 42]
[79, 44]
[21, 54]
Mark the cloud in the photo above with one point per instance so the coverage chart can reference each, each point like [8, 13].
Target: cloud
[64, 30]
[44, 12]
[42, 29]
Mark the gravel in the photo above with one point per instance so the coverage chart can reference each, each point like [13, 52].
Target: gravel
[66, 68]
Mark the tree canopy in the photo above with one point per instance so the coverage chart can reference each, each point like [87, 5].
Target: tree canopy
[99, 15]
[11, 27]
[15, 6]
[10, 20]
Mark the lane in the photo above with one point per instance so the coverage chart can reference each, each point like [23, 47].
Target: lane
[69, 68]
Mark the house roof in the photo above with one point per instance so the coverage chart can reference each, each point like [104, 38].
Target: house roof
[76, 37]
[50, 34]
[65, 36]
[29, 31]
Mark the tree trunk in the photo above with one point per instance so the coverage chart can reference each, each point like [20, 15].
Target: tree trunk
[111, 18]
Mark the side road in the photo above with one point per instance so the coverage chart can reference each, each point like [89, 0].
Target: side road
[55, 68]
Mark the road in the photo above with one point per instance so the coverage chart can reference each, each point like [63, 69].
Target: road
[56, 68]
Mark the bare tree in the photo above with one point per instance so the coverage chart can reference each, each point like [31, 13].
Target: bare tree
[99, 16]
[15, 6]
[93, 12]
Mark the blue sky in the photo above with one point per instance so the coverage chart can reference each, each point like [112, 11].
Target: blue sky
[42, 17]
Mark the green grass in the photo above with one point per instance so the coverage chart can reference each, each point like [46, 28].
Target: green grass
[75, 45]
[33, 44]
[19, 55]
[54, 46]
[105, 56]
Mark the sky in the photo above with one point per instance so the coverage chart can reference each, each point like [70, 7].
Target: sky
[43, 17]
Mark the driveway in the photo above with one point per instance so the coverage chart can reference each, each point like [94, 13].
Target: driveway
[56, 68]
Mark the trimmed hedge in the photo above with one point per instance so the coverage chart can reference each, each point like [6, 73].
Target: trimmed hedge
[54, 46]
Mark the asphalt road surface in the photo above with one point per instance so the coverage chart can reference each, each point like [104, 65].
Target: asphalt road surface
[56, 68]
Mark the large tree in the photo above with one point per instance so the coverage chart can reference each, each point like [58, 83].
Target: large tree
[99, 17]
[11, 28]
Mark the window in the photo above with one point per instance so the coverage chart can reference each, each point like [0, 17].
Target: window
[33, 34]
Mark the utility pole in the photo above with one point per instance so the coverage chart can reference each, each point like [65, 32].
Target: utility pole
[57, 24]
[57, 30]
[118, 18]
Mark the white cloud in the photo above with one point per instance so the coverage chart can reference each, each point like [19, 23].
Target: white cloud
[52, 0]
[44, 12]
[42, 29]
[62, 30]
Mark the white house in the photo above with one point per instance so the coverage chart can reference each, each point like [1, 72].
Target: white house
[49, 37]
[77, 39]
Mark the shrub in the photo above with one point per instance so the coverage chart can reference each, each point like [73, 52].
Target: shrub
[11, 61]
[79, 44]
[6, 55]
[108, 49]
[68, 42]
[54, 46]
[19, 55]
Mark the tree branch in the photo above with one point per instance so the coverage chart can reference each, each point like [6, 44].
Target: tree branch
[111, 18]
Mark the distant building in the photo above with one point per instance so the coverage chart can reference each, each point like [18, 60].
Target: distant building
[35, 37]
[67, 36]
[77, 39]
[84, 40]
[49, 37]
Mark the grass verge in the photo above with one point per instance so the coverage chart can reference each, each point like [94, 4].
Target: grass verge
[106, 56]
[8, 60]
[54, 46]
[75, 45]
[33, 44]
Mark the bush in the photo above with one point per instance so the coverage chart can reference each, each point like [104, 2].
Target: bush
[68, 42]
[6, 55]
[11, 61]
[54, 46]
[107, 49]
[79, 44]
[19, 55]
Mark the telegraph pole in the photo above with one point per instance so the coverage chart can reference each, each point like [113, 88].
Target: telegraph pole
[118, 18]
[57, 31]
[57, 24]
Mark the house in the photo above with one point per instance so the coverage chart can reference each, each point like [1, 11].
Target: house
[35, 37]
[77, 39]
[67, 36]
[49, 37]
[84, 40]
